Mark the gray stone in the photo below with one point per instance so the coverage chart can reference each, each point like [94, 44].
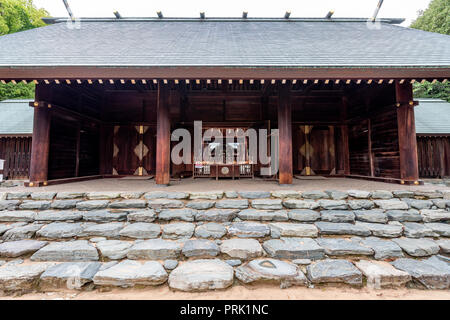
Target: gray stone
[232, 204]
[109, 230]
[263, 215]
[70, 195]
[359, 194]
[166, 195]
[429, 275]
[334, 271]
[142, 216]
[49, 195]
[417, 230]
[21, 232]
[382, 194]
[105, 216]
[231, 194]
[271, 270]
[114, 249]
[328, 228]
[201, 275]
[293, 230]
[382, 230]
[97, 239]
[21, 278]
[177, 214]
[254, 194]
[428, 194]
[382, 275]
[217, 215]
[200, 205]
[360, 204]
[249, 230]
[444, 244]
[141, 230]
[69, 275]
[179, 230]
[403, 194]
[234, 262]
[244, 249]
[294, 248]
[52, 215]
[267, 204]
[170, 264]
[393, 204]
[336, 194]
[418, 204]
[19, 248]
[410, 215]
[384, 249]
[435, 215]
[441, 203]
[126, 204]
[375, 216]
[131, 273]
[303, 215]
[132, 194]
[160, 204]
[59, 230]
[342, 247]
[210, 230]
[208, 195]
[154, 249]
[418, 247]
[337, 216]
[16, 216]
[441, 229]
[300, 204]
[79, 250]
[333, 204]
[200, 248]
[9, 204]
[314, 194]
[92, 205]
[17, 195]
[64, 204]
[98, 195]
[286, 194]
[302, 262]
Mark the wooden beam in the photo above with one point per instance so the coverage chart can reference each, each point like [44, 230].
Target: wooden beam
[285, 135]
[163, 136]
[409, 171]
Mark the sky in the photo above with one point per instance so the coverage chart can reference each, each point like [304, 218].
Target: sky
[233, 8]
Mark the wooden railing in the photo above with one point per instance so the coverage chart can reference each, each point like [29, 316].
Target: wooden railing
[16, 151]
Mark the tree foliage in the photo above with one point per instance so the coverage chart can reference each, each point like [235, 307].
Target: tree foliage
[15, 16]
[436, 18]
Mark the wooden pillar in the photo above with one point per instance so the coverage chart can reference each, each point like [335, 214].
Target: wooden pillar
[41, 141]
[345, 149]
[285, 135]
[409, 171]
[163, 136]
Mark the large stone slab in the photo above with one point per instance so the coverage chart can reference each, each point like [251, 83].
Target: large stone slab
[60, 230]
[114, 249]
[45, 195]
[267, 204]
[200, 205]
[92, 205]
[286, 194]
[179, 230]
[293, 230]
[272, 270]
[141, 230]
[382, 194]
[428, 274]
[53, 215]
[19, 248]
[79, 250]
[314, 194]
[373, 216]
[294, 248]
[17, 216]
[410, 215]
[217, 215]
[177, 214]
[64, 204]
[303, 215]
[382, 275]
[384, 249]
[417, 247]
[359, 194]
[334, 271]
[19, 195]
[159, 204]
[21, 278]
[210, 230]
[328, 228]
[131, 194]
[419, 204]
[243, 249]
[249, 230]
[108, 230]
[200, 248]
[254, 194]
[232, 204]
[445, 245]
[263, 215]
[418, 230]
[68, 275]
[340, 216]
[166, 195]
[201, 275]
[382, 230]
[343, 247]
[393, 204]
[35, 205]
[142, 216]
[333, 204]
[300, 204]
[70, 195]
[208, 195]
[154, 249]
[336, 194]
[435, 215]
[128, 204]
[360, 204]
[21, 232]
[9, 204]
[98, 195]
[131, 273]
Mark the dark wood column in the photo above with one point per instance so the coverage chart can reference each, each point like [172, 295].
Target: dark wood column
[285, 134]
[163, 136]
[409, 172]
[41, 140]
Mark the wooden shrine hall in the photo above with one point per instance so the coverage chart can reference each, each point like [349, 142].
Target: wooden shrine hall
[109, 93]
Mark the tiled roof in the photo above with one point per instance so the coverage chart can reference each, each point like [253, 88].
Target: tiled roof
[16, 117]
[432, 116]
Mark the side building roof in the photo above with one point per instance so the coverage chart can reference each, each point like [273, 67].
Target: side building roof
[16, 117]
[432, 117]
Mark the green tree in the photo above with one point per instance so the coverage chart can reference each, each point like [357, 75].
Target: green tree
[15, 16]
[436, 18]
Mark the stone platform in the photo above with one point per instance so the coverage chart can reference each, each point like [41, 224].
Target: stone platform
[196, 241]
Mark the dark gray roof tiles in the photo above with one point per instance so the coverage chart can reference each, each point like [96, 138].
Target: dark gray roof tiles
[16, 117]
[432, 117]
